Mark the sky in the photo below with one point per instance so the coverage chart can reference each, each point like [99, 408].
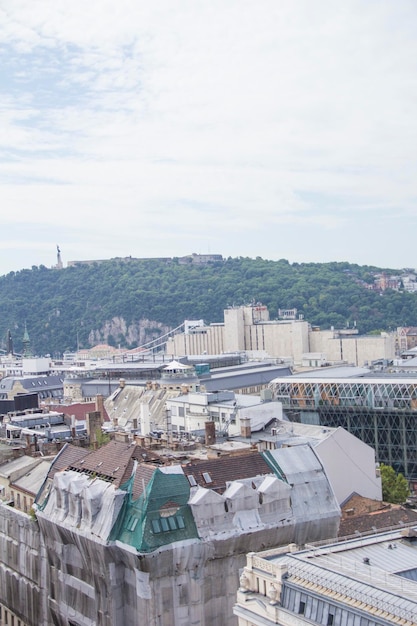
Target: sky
[147, 128]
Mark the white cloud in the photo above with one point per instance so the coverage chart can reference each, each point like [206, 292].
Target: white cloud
[191, 121]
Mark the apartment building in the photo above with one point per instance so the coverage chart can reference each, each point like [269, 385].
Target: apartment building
[367, 581]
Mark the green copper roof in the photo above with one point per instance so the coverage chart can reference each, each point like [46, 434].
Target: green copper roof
[273, 464]
[161, 515]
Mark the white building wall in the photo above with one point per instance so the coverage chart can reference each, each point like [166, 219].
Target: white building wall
[234, 330]
[360, 350]
[249, 328]
[349, 465]
[259, 415]
[207, 340]
[318, 340]
[286, 339]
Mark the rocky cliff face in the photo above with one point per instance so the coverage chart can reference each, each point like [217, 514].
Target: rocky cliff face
[116, 331]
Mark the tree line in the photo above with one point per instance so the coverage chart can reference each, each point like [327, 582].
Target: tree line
[62, 307]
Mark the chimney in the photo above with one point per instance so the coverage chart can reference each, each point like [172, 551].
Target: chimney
[121, 437]
[100, 406]
[93, 423]
[210, 430]
[245, 430]
[73, 429]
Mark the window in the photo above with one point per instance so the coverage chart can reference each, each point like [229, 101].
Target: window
[330, 619]
[192, 480]
[132, 523]
[167, 524]
[156, 528]
[302, 608]
[207, 478]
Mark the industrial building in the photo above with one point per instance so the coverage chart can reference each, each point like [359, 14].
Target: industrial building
[249, 329]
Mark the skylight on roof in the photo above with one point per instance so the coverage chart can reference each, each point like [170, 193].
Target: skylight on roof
[207, 477]
[192, 480]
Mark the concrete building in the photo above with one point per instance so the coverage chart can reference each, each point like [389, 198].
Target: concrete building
[368, 581]
[359, 350]
[249, 329]
[227, 410]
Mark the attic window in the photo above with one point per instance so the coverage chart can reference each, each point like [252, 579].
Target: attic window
[115, 469]
[207, 478]
[167, 524]
[98, 464]
[132, 523]
[192, 480]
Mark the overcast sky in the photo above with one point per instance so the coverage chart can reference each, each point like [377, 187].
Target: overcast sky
[272, 128]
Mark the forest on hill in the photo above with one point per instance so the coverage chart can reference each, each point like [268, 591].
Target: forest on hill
[126, 302]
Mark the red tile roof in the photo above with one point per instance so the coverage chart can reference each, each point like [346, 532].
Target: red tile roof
[114, 461]
[226, 469]
[67, 456]
[79, 410]
[362, 515]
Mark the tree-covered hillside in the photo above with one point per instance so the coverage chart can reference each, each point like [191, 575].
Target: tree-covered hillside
[60, 306]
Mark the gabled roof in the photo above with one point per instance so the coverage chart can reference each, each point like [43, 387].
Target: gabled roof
[18, 466]
[113, 461]
[33, 480]
[226, 469]
[67, 456]
[362, 515]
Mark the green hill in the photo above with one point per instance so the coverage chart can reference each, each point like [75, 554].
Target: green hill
[127, 302]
